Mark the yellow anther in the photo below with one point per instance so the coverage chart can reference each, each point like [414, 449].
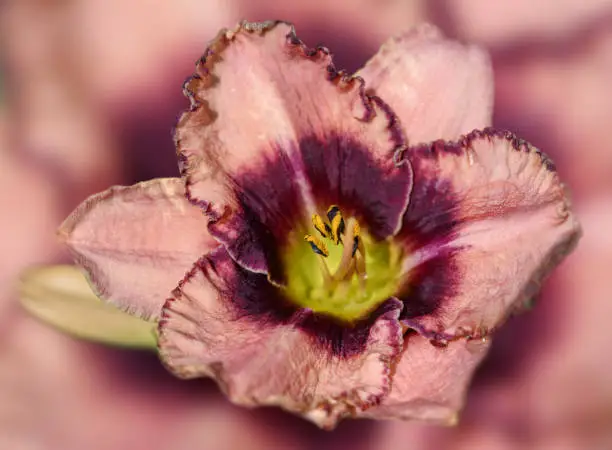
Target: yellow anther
[337, 226]
[356, 231]
[337, 223]
[323, 228]
[331, 211]
[318, 246]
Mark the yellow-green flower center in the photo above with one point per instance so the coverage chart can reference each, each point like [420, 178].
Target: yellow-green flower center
[339, 269]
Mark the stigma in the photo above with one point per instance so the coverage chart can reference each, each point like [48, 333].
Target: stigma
[346, 234]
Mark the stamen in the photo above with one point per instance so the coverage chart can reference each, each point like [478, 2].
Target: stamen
[341, 290]
[360, 257]
[350, 271]
[337, 223]
[318, 246]
[360, 265]
[327, 277]
[340, 286]
[353, 255]
[360, 269]
[356, 231]
[332, 211]
[323, 228]
[347, 253]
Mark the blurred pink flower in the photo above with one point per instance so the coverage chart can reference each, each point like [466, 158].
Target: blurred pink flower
[274, 134]
[35, 191]
[551, 88]
[497, 24]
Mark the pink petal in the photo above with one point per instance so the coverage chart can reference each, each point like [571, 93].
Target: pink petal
[502, 215]
[136, 242]
[264, 104]
[430, 382]
[439, 89]
[204, 332]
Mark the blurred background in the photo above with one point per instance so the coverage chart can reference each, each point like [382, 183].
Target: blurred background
[89, 93]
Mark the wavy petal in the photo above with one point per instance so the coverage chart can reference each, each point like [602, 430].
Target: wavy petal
[208, 330]
[137, 242]
[430, 382]
[491, 212]
[439, 88]
[286, 134]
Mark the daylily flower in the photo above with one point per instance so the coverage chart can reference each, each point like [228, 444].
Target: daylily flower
[322, 236]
